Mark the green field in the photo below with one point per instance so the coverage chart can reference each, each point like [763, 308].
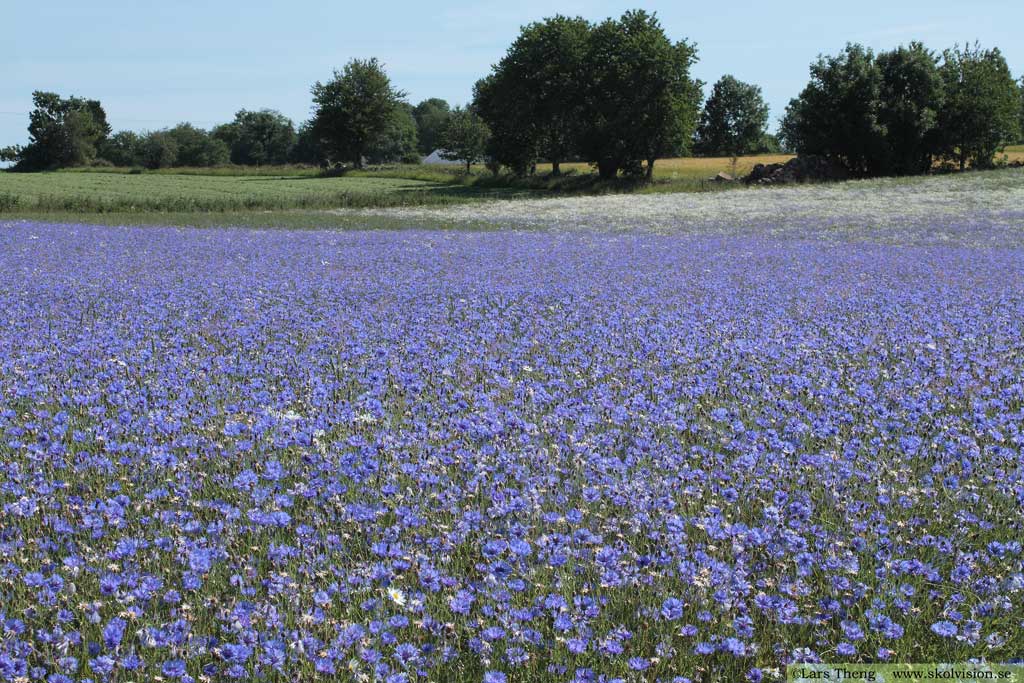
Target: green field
[297, 196]
[117, 192]
[233, 189]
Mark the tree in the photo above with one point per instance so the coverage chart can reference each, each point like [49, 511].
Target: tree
[768, 144]
[431, 119]
[1021, 110]
[196, 147]
[354, 109]
[910, 96]
[836, 114]
[62, 132]
[465, 138]
[640, 101]
[256, 138]
[121, 149]
[307, 148]
[398, 142]
[158, 149]
[981, 111]
[733, 121]
[545, 71]
[513, 142]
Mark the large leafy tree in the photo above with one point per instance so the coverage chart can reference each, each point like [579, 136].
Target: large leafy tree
[257, 138]
[197, 147]
[62, 132]
[1021, 110]
[640, 102]
[122, 148]
[399, 140]
[533, 99]
[545, 66]
[465, 138]
[513, 142]
[981, 111]
[307, 149]
[158, 149]
[836, 114]
[910, 96]
[354, 109]
[733, 121]
[431, 119]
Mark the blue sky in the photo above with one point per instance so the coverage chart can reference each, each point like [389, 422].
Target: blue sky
[154, 64]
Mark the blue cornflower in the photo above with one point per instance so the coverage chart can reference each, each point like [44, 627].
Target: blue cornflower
[173, 668]
[672, 609]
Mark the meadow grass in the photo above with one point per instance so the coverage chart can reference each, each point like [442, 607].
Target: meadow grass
[92, 193]
[222, 190]
[181, 195]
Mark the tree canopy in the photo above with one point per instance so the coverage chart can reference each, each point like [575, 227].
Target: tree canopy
[258, 138]
[981, 111]
[465, 137]
[909, 99]
[734, 120]
[899, 112]
[354, 109]
[431, 119]
[398, 142]
[617, 94]
[62, 132]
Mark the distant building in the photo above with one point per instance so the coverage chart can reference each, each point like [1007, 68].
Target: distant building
[436, 158]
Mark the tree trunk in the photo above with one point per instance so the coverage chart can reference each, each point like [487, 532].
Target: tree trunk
[469, 165]
[607, 169]
[650, 169]
[555, 170]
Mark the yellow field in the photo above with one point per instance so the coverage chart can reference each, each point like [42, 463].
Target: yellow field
[692, 167]
[707, 167]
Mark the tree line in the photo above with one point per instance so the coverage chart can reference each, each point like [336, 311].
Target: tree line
[618, 94]
[899, 112]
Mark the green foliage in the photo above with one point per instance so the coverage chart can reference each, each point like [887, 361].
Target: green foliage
[258, 138]
[513, 142]
[398, 142]
[836, 115]
[981, 113]
[544, 73]
[465, 137]
[353, 110]
[910, 96]
[122, 149]
[768, 144]
[1021, 123]
[62, 132]
[158, 149]
[640, 102]
[896, 113]
[733, 121]
[431, 119]
[617, 94]
[197, 147]
[182, 145]
[307, 148]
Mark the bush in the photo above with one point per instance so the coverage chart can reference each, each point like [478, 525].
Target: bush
[8, 201]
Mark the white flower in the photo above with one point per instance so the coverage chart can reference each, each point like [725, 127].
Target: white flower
[397, 596]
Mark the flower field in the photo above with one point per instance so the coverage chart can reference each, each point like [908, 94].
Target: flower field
[544, 454]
